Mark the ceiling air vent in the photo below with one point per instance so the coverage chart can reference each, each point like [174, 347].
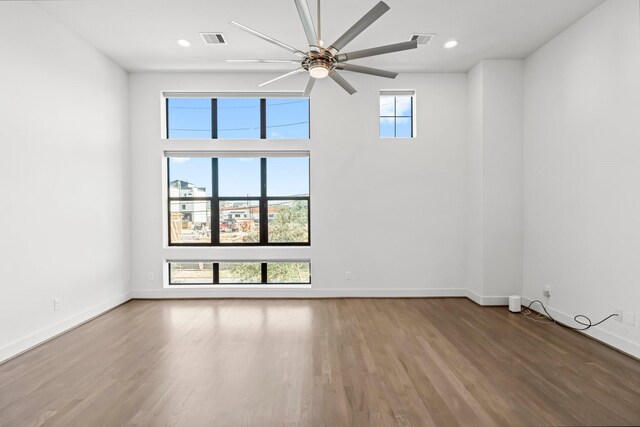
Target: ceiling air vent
[423, 39]
[213, 38]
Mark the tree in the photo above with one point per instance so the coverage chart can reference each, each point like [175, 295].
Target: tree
[291, 223]
[247, 272]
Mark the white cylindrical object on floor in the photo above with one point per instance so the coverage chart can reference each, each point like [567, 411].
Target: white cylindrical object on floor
[515, 304]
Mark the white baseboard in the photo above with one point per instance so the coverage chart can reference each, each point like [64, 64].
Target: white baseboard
[486, 300]
[473, 296]
[25, 344]
[296, 293]
[619, 343]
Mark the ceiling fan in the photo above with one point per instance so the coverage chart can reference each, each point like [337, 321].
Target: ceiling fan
[321, 62]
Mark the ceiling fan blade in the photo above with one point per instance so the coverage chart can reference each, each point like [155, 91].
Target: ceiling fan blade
[319, 23]
[265, 61]
[369, 18]
[342, 82]
[380, 50]
[309, 87]
[307, 23]
[267, 38]
[291, 73]
[367, 70]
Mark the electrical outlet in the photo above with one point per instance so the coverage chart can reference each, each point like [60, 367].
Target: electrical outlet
[630, 319]
[347, 275]
[547, 291]
[150, 277]
[57, 304]
[617, 311]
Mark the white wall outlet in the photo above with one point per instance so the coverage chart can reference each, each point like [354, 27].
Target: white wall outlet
[347, 275]
[617, 311]
[629, 319]
[57, 304]
[547, 291]
[150, 277]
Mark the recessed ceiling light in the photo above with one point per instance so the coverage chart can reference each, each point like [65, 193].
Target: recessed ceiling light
[184, 43]
[451, 44]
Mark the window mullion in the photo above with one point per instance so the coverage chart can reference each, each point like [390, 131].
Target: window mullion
[215, 204]
[264, 209]
[216, 273]
[263, 118]
[214, 118]
[411, 116]
[166, 115]
[395, 116]
[169, 196]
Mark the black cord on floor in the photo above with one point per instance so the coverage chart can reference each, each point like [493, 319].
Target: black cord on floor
[588, 324]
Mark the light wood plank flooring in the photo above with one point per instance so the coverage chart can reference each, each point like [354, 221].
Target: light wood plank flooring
[342, 362]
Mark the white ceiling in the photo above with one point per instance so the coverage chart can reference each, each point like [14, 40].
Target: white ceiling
[141, 35]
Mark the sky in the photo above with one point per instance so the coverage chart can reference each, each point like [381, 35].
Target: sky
[239, 177]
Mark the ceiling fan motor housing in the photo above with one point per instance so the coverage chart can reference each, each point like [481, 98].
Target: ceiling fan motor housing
[319, 64]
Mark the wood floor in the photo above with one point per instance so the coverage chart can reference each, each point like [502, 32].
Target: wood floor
[343, 362]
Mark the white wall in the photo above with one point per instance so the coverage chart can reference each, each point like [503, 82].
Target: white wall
[495, 181]
[354, 174]
[582, 171]
[64, 172]
[502, 178]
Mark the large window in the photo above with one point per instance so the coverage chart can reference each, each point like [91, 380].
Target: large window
[239, 272]
[238, 201]
[237, 118]
[396, 114]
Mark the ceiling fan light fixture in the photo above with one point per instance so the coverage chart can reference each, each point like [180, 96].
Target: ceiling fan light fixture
[319, 71]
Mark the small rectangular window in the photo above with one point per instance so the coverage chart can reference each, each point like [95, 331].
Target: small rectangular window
[288, 221]
[188, 118]
[239, 177]
[237, 118]
[288, 176]
[189, 177]
[288, 272]
[396, 114]
[287, 118]
[190, 223]
[191, 273]
[240, 221]
[239, 272]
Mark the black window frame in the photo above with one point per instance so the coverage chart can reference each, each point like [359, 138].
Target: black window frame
[216, 272]
[395, 117]
[263, 119]
[215, 199]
